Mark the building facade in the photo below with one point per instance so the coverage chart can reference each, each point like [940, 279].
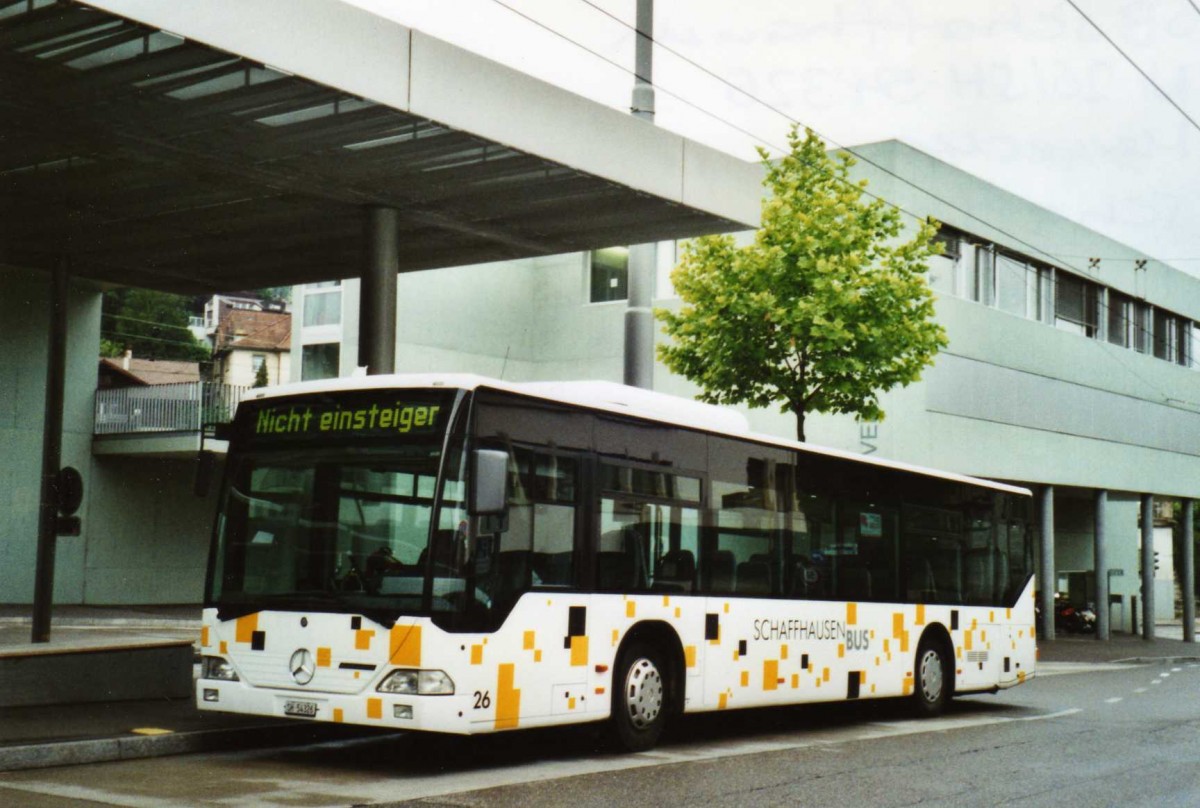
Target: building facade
[1073, 366]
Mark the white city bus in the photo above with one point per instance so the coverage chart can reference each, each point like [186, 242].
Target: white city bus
[462, 555]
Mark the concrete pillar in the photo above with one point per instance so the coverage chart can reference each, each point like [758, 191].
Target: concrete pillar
[1147, 566]
[377, 296]
[639, 316]
[1188, 573]
[1046, 575]
[1100, 555]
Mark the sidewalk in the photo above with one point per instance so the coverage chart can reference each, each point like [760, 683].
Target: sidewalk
[37, 737]
[68, 734]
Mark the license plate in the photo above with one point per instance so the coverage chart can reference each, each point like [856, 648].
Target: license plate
[306, 709]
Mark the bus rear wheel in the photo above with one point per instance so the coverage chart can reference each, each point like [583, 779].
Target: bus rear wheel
[640, 697]
[934, 681]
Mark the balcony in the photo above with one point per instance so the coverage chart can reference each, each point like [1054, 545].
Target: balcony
[165, 420]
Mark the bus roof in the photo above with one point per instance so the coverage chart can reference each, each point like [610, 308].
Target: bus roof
[615, 398]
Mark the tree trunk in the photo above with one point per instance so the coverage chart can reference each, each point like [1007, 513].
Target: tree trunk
[798, 410]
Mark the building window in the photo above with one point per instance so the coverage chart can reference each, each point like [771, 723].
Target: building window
[323, 304]
[320, 361]
[1119, 320]
[983, 287]
[1141, 327]
[1164, 331]
[609, 274]
[1017, 289]
[1075, 306]
[1183, 346]
[257, 361]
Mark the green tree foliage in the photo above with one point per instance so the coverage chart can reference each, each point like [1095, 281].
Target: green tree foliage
[153, 324]
[825, 310]
[260, 376]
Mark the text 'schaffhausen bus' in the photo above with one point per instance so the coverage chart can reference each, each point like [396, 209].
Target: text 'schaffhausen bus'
[462, 555]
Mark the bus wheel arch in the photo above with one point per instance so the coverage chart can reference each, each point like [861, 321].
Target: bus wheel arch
[647, 685]
[933, 671]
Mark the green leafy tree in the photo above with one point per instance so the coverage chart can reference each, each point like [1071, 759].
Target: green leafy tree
[260, 376]
[153, 324]
[826, 309]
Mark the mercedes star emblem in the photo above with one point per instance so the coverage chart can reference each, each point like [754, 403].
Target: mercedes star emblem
[302, 666]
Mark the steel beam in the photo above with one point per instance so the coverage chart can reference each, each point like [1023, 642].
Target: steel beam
[1046, 575]
[377, 302]
[1100, 556]
[1147, 567]
[56, 369]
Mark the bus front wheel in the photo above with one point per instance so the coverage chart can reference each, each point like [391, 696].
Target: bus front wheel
[640, 697]
[934, 680]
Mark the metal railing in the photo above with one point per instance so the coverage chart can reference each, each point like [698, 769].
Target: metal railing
[184, 407]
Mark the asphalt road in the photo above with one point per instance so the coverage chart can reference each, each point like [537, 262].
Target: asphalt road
[1123, 735]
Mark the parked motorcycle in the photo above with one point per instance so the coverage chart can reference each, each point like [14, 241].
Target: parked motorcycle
[1074, 619]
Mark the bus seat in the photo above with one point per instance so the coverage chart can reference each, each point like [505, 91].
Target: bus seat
[854, 582]
[614, 570]
[753, 578]
[767, 560]
[552, 569]
[922, 587]
[722, 571]
[677, 571]
[443, 547]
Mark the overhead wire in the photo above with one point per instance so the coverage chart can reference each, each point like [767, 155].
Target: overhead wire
[849, 150]
[1101, 308]
[1135, 65]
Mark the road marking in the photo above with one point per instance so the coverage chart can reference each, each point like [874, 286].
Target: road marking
[1113, 700]
[390, 789]
[1060, 668]
[1157, 682]
[1140, 690]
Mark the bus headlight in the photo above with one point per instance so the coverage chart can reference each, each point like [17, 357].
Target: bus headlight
[215, 667]
[417, 683]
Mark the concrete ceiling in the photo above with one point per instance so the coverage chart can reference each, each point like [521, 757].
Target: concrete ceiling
[235, 144]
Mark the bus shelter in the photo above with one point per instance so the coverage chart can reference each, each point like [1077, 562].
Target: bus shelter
[236, 144]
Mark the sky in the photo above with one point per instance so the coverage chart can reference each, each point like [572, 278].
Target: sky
[1025, 94]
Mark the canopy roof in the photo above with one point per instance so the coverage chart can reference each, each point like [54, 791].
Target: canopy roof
[234, 144]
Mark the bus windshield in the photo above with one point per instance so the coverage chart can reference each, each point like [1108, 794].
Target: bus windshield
[344, 525]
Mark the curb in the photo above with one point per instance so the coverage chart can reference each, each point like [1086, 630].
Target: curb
[106, 750]
[1150, 660]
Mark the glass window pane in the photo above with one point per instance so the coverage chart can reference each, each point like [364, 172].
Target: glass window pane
[320, 361]
[1118, 318]
[1012, 285]
[985, 276]
[324, 308]
[1164, 324]
[609, 274]
[1075, 304]
[1141, 327]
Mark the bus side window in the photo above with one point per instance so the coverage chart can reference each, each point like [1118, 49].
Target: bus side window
[649, 530]
[537, 549]
[867, 551]
[933, 554]
[749, 523]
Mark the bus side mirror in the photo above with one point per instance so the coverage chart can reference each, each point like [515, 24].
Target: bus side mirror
[489, 494]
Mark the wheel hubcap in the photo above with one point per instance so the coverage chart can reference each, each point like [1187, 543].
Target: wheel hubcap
[931, 675]
[643, 693]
